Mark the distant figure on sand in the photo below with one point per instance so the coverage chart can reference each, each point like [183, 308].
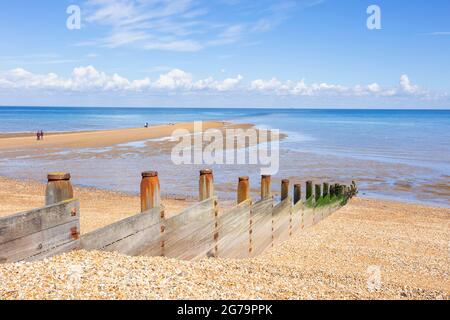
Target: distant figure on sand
[146, 125]
[38, 135]
[42, 135]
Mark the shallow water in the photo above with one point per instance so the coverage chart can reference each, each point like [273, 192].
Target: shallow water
[393, 154]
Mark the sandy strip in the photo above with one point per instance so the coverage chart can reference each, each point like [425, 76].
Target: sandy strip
[105, 138]
[408, 244]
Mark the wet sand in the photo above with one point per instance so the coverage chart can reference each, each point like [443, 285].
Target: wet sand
[408, 244]
[113, 159]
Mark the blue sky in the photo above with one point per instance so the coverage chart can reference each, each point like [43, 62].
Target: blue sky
[226, 53]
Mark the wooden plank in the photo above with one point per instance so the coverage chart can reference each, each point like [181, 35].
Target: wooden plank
[308, 217]
[29, 222]
[197, 212]
[233, 228]
[261, 226]
[281, 221]
[297, 215]
[176, 237]
[191, 242]
[190, 234]
[136, 243]
[231, 221]
[63, 248]
[121, 230]
[37, 243]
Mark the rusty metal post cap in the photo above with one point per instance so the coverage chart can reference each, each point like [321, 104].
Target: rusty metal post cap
[58, 176]
[148, 174]
[265, 176]
[205, 171]
[285, 181]
[243, 178]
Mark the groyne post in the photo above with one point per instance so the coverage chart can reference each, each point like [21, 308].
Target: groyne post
[338, 190]
[309, 188]
[59, 188]
[266, 191]
[284, 189]
[206, 191]
[326, 189]
[150, 191]
[243, 192]
[318, 192]
[332, 191]
[206, 184]
[297, 193]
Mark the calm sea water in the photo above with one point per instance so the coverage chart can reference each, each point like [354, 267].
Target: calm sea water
[394, 154]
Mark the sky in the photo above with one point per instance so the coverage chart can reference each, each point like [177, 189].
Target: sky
[226, 53]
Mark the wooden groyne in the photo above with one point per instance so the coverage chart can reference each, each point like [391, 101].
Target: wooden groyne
[202, 230]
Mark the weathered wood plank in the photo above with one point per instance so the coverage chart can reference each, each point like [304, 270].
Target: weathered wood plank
[63, 248]
[197, 212]
[37, 243]
[121, 230]
[281, 221]
[261, 235]
[29, 222]
[297, 214]
[135, 243]
[191, 242]
[233, 228]
[190, 234]
[308, 217]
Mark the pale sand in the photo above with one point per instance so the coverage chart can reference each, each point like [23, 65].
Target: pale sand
[408, 243]
[105, 138]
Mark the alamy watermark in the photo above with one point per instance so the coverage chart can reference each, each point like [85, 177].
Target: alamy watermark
[73, 22]
[374, 19]
[229, 146]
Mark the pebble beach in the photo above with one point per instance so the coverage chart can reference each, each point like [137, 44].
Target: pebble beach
[405, 245]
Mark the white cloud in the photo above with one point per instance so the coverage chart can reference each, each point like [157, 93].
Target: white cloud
[89, 79]
[181, 25]
[407, 86]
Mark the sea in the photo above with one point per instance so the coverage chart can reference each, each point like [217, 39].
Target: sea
[392, 154]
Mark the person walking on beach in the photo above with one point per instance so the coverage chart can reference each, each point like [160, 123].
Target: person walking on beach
[42, 135]
[38, 135]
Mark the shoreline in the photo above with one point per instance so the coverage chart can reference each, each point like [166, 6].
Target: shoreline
[104, 151]
[191, 199]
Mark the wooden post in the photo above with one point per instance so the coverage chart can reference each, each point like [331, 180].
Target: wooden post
[243, 192]
[326, 189]
[150, 191]
[266, 191]
[344, 191]
[206, 184]
[58, 188]
[318, 192]
[332, 191]
[284, 189]
[297, 193]
[309, 188]
[337, 190]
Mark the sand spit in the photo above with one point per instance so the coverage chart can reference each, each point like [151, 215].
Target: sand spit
[104, 138]
[408, 244]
